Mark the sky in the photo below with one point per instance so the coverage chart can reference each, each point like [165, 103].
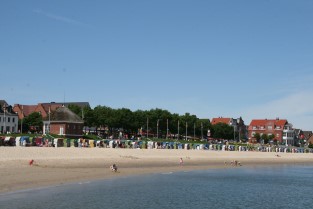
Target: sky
[210, 58]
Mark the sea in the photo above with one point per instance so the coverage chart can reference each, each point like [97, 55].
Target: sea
[285, 186]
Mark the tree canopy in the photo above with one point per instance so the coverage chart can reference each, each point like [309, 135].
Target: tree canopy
[131, 122]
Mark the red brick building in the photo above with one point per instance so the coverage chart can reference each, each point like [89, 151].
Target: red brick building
[63, 122]
[281, 129]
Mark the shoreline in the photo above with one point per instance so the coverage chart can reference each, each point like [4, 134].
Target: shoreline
[57, 166]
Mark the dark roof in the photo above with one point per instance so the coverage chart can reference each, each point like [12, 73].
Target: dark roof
[66, 104]
[9, 109]
[307, 134]
[63, 114]
[2, 102]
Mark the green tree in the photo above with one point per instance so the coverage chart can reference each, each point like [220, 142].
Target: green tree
[33, 122]
[76, 109]
[257, 136]
[264, 137]
[222, 131]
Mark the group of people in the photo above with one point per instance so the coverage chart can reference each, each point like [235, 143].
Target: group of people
[113, 168]
[233, 163]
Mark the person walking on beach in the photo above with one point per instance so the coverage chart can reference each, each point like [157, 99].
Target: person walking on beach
[181, 162]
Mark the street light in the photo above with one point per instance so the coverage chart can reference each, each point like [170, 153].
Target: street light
[186, 130]
[194, 131]
[239, 128]
[166, 128]
[178, 130]
[201, 130]
[22, 116]
[158, 128]
[147, 128]
[209, 133]
[4, 109]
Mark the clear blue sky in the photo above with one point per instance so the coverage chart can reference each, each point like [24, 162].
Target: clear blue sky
[246, 58]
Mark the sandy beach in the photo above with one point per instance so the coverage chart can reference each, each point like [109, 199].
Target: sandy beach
[55, 166]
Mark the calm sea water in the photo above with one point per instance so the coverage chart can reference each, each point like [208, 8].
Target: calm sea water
[240, 187]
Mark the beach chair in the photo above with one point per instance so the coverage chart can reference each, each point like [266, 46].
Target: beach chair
[9, 141]
[18, 141]
[91, 144]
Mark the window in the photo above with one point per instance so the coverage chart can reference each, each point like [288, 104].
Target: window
[0, 119]
[9, 119]
[269, 127]
[13, 120]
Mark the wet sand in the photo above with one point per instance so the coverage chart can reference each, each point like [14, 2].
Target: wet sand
[55, 166]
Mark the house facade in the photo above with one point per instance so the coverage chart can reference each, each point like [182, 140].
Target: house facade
[8, 118]
[281, 130]
[63, 122]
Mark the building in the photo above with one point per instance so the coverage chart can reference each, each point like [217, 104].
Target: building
[238, 124]
[8, 118]
[310, 140]
[64, 122]
[281, 130]
[43, 108]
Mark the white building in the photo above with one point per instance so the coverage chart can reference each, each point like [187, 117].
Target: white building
[288, 134]
[8, 119]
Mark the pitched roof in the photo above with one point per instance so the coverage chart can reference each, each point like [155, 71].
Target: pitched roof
[66, 104]
[267, 122]
[310, 140]
[221, 120]
[51, 106]
[3, 102]
[28, 109]
[63, 114]
[307, 134]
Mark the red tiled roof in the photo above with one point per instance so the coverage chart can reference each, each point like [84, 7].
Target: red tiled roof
[220, 120]
[52, 106]
[266, 122]
[28, 109]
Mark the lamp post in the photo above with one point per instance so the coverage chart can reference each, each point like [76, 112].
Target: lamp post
[4, 109]
[239, 127]
[147, 128]
[194, 131]
[157, 128]
[178, 131]
[166, 128]
[201, 130]
[209, 133]
[50, 121]
[22, 116]
[186, 130]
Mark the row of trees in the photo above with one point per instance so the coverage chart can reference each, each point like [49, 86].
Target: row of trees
[131, 122]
